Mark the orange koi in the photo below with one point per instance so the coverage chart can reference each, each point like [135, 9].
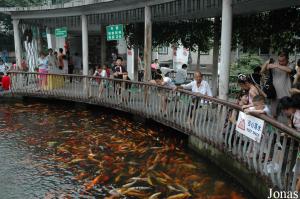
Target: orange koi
[90, 185]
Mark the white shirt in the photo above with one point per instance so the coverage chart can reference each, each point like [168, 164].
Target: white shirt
[165, 70]
[103, 73]
[181, 75]
[266, 110]
[2, 68]
[52, 62]
[203, 89]
[168, 82]
[296, 120]
[43, 63]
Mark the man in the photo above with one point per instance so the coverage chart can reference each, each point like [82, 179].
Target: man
[181, 75]
[141, 68]
[77, 63]
[119, 71]
[60, 59]
[52, 61]
[162, 81]
[281, 79]
[198, 85]
[3, 67]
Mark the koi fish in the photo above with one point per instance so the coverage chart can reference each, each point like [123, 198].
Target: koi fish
[149, 180]
[135, 193]
[139, 179]
[139, 188]
[92, 183]
[180, 196]
[155, 196]
[189, 166]
[129, 184]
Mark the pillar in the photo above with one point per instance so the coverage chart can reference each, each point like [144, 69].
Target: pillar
[136, 63]
[148, 43]
[103, 44]
[216, 48]
[50, 39]
[85, 47]
[17, 41]
[225, 48]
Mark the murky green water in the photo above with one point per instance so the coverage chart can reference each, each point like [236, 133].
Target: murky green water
[62, 150]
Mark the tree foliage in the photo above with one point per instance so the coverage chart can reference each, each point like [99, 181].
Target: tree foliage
[192, 34]
[273, 29]
[245, 65]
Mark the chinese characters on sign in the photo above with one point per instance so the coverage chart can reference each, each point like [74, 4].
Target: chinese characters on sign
[250, 126]
[61, 32]
[114, 32]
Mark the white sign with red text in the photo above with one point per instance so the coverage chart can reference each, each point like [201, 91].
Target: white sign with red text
[250, 126]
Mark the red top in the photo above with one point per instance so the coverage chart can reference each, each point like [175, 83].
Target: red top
[6, 82]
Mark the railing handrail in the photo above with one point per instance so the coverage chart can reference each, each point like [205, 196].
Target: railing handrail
[282, 127]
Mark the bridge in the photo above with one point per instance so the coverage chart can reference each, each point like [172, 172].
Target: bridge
[270, 163]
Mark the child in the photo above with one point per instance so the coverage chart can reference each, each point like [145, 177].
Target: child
[5, 82]
[259, 106]
[102, 72]
[242, 100]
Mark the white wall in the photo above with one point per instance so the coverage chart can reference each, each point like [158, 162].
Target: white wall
[204, 59]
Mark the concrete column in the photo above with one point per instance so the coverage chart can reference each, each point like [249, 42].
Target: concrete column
[225, 48]
[85, 47]
[148, 43]
[17, 41]
[103, 44]
[215, 57]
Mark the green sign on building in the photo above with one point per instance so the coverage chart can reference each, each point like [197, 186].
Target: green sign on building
[114, 32]
[61, 32]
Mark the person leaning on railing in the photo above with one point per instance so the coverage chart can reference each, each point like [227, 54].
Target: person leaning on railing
[246, 83]
[198, 85]
[290, 106]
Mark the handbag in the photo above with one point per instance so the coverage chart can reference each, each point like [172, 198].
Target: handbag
[268, 87]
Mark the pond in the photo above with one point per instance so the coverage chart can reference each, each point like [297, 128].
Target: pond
[66, 150]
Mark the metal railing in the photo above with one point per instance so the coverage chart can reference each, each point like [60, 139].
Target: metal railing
[274, 158]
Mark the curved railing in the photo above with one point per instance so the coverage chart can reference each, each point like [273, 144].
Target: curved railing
[274, 158]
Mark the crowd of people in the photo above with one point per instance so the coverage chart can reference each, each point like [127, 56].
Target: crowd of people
[273, 89]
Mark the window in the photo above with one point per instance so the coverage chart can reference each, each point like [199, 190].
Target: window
[162, 50]
[204, 53]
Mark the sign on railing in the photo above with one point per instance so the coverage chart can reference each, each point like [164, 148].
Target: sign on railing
[250, 126]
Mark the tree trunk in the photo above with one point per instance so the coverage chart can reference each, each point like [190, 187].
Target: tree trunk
[198, 60]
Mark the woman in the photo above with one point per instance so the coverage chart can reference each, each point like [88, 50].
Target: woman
[290, 106]
[43, 69]
[246, 84]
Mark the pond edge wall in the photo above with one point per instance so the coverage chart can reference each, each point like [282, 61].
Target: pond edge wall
[255, 184]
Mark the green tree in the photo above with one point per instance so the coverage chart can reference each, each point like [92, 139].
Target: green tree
[272, 29]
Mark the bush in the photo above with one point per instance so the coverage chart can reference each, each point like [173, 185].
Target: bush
[245, 64]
